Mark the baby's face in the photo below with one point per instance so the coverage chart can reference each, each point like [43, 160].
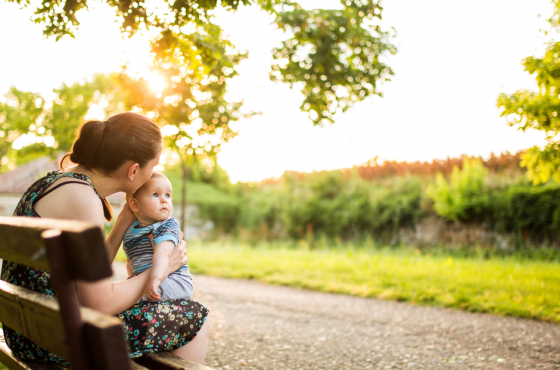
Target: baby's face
[153, 201]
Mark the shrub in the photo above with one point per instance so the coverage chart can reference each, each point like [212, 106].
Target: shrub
[534, 212]
[340, 204]
[466, 194]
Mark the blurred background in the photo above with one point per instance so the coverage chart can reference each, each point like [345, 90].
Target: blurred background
[405, 150]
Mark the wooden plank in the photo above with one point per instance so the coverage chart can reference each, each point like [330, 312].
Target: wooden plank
[83, 243]
[136, 366]
[168, 361]
[105, 338]
[68, 304]
[37, 317]
[14, 363]
[34, 315]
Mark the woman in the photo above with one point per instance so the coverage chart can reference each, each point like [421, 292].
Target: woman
[116, 155]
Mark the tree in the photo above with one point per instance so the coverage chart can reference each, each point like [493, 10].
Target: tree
[182, 109]
[539, 110]
[21, 116]
[191, 109]
[32, 128]
[334, 54]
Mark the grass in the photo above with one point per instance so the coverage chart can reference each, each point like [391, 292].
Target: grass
[505, 285]
[509, 286]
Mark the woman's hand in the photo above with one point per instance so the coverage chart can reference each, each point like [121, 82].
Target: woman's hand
[126, 217]
[115, 238]
[177, 258]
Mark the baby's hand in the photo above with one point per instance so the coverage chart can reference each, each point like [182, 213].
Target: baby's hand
[152, 290]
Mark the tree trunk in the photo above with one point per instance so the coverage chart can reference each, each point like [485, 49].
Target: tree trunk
[184, 198]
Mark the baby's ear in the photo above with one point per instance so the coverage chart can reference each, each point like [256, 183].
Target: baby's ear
[133, 204]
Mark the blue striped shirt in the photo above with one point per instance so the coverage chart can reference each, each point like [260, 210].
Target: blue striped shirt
[139, 250]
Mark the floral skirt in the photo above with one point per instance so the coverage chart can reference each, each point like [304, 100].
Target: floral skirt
[162, 326]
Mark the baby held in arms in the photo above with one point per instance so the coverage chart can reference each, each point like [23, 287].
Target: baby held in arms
[152, 206]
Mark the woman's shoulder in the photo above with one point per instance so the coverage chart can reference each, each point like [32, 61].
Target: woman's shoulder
[73, 185]
[56, 179]
[71, 197]
[39, 189]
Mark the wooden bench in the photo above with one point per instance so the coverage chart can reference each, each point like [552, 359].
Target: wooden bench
[89, 339]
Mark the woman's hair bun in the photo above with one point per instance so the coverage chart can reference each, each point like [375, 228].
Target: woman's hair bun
[105, 146]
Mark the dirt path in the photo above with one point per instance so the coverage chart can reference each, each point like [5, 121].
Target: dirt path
[258, 326]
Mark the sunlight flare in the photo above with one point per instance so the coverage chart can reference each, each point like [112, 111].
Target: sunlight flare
[156, 81]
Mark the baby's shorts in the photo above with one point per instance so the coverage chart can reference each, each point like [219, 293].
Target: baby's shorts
[175, 286]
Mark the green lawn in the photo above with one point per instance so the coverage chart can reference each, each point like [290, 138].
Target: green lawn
[505, 286]
[499, 285]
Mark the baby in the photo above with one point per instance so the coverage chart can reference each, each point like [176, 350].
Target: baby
[152, 206]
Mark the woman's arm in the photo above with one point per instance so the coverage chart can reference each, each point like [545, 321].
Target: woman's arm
[113, 298]
[115, 238]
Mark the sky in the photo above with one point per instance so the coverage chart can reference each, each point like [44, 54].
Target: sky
[453, 61]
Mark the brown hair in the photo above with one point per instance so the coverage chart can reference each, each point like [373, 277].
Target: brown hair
[106, 145]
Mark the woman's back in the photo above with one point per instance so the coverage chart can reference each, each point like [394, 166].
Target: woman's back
[38, 280]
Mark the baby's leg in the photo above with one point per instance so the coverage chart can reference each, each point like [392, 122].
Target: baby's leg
[175, 287]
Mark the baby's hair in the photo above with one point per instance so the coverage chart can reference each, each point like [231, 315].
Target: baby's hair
[155, 175]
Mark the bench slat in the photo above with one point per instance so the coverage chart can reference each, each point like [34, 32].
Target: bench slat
[14, 363]
[168, 361]
[37, 317]
[105, 337]
[33, 315]
[84, 245]
[136, 366]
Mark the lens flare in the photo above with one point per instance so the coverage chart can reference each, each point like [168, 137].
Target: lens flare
[157, 83]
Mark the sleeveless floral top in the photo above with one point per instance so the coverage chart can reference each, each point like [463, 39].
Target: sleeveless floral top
[149, 327]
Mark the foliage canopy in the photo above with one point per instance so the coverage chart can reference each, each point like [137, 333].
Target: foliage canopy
[539, 110]
[31, 127]
[334, 54]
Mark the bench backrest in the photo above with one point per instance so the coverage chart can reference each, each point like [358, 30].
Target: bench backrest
[68, 250]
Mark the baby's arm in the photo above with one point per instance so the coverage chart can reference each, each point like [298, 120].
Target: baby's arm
[159, 266]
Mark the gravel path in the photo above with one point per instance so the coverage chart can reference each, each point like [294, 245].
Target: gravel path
[258, 326]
